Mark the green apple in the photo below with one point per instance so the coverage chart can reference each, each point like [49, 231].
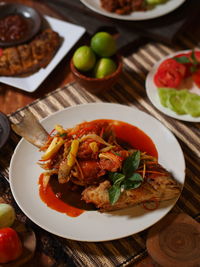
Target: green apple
[7, 215]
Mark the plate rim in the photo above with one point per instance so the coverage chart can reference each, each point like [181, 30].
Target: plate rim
[130, 17]
[95, 240]
[149, 84]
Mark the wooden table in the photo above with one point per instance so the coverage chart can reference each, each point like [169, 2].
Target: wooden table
[12, 99]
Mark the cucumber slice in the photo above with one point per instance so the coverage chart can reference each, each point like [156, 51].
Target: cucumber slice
[180, 101]
[176, 101]
[192, 105]
[163, 94]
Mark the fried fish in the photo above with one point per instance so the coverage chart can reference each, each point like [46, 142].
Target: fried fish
[112, 175]
[159, 186]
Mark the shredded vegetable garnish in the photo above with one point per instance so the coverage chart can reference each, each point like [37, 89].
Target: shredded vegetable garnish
[90, 153]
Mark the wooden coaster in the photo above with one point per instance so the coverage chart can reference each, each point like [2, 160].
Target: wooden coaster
[175, 241]
[28, 239]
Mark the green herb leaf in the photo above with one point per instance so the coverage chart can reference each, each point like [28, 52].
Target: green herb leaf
[133, 181]
[182, 59]
[114, 193]
[115, 153]
[195, 62]
[116, 177]
[193, 69]
[131, 164]
[136, 177]
[63, 135]
[131, 185]
[126, 180]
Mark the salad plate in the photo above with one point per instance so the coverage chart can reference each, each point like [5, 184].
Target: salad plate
[110, 225]
[159, 10]
[152, 92]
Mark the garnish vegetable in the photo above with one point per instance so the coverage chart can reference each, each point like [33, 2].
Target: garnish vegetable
[126, 180]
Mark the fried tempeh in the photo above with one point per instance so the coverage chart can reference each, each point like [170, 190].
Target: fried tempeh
[29, 58]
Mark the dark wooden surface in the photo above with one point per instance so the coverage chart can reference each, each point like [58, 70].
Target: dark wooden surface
[11, 98]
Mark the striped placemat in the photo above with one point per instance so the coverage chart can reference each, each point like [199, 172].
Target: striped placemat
[129, 90]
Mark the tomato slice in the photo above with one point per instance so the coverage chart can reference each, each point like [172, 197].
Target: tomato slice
[187, 65]
[172, 64]
[172, 71]
[184, 55]
[167, 78]
[10, 245]
[196, 77]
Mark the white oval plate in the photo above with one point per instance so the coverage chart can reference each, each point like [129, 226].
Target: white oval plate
[153, 96]
[92, 225]
[158, 11]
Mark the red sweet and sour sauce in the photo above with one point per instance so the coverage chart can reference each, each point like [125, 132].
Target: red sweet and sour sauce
[135, 137]
[52, 200]
[58, 196]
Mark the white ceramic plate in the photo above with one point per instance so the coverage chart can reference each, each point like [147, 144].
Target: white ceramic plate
[153, 96]
[92, 225]
[158, 11]
[70, 33]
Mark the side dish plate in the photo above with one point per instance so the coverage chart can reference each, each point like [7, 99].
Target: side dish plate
[64, 29]
[152, 92]
[108, 226]
[158, 11]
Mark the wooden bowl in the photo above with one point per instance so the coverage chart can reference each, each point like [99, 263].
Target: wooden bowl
[97, 85]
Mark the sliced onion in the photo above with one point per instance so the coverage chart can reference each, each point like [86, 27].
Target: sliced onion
[95, 138]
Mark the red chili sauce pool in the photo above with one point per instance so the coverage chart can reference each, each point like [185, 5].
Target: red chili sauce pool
[63, 198]
[12, 28]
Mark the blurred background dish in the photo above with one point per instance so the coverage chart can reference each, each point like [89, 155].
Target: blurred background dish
[18, 24]
[64, 29]
[157, 11]
[153, 95]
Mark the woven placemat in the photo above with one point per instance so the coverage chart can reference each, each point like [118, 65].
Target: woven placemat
[129, 90]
